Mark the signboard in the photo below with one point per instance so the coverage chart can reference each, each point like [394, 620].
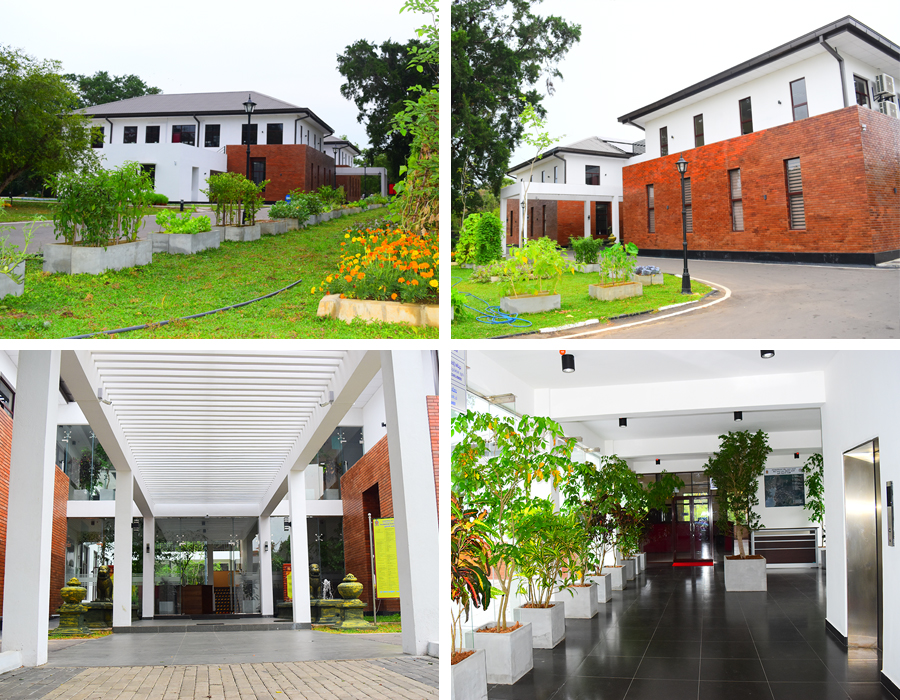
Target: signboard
[784, 487]
[288, 590]
[387, 581]
[458, 380]
[287, 198]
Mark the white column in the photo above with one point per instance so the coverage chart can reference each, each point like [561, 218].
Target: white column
[26, 598]
[413, 495]
[149, 564]
[299, 546]
[615, 216]
[122, 559]
[504, 215]
[587, 219]
[267, 606]
[522, 212]
[210, 564]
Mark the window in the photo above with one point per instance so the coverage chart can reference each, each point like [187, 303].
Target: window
[257, 170]
[651, 213]
[151, 134]
[253, 128]
[796, 214]
[542, 175]
[7, 396]
[798, 99]
[698, 131]
[150, 170]
[555, 173]
[274, 134]
[184, 134]
[591, 174]
[664, 141]
[531, 223]
[746, 116]
[861, 86]
[130, 135]
[97, 136]
[211, 137]
[544, 220]
[688, 210]
[737, 201]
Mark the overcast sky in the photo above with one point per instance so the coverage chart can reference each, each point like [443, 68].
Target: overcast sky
[634, 53]
[282, 48]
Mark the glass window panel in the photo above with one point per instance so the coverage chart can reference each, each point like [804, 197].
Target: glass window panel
[211, 139]
[151, 134]
[591, 174]
[664, 141]
[274, 134]
[737, 213]
[130, 135]
[698, 131]
[253, 130]
[184, 134]
[92, 476]
[97, 137]
[746, 116]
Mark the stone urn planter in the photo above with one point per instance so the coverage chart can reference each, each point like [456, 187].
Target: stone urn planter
[507, 655]
[617, 576]
[745, 574]
[548, 625]
[603, 587]
[530, 303]
[580, 602]
[79, 259]
[333, 306]
[71, 612]
[10, 287]
[185, 243]
[468, 678]
[242, 234]
[616, 290]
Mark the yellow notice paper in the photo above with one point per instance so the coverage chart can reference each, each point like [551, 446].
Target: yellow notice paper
[387, 582]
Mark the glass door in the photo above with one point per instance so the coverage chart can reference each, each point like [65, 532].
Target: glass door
[692, 532]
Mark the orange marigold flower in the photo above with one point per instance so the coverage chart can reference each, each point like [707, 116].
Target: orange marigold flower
[400, 280]
[349, 278]
[394, 295]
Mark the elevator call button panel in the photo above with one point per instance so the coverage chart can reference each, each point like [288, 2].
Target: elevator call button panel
[890, 513]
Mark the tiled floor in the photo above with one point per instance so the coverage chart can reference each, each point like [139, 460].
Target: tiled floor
[675, 634]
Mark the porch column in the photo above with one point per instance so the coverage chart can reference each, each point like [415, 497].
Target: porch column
[406, 383]
[299, 547]
[504, 216]
[587, 219]
[267, 607]
[149, 564]
[523, 213]
[26, 597]
[615, 216]
[122, 558]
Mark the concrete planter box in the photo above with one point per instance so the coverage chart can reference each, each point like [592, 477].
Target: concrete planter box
[590, 267]
[548, 625]
[468, 678]
[242, 234]
[821, 551]
[74, 260]
[185, 243]
[745, 574]
[530, 303]
[621, 290]
[507, 656]
[326, 216]
[617, 577]
[353, 210]
[8, 287]
[387, 311]
[649, 279]
[580, 601]
[271, 228]
[630, 569]
[602, 587]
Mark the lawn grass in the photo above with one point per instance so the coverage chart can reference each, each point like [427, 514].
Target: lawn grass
[59, 305]
[577, 304]
[386, 623]
[25, 211]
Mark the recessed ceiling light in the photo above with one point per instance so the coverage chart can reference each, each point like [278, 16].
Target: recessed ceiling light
[568, 362]
[766, 354]
[738, 416]
[623, 422]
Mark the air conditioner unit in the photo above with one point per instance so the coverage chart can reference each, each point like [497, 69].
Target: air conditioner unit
[884, 85]
[889, 108]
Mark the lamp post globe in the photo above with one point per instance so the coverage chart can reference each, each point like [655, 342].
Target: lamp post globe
[681, 166]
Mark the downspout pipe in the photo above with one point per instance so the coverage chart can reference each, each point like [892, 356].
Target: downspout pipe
[110, 129]
[840, 61]
[197, 144]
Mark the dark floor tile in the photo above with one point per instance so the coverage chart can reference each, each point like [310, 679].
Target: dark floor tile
[867, 691]
[734, 690]
[627, 633]
[796, 670]
[608, 666]
[673, 669]
[527, 689]
[727, 634]
[592, 688]
[750, 670]
[729, 650]
[785, 650]
[857, 671]
[651, 689]
[621, 647]
[776, 633]
[808, 691]
[675, 650]
[683, 634]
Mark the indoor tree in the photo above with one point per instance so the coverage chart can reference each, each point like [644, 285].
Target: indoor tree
[814, 470]
[470, 553]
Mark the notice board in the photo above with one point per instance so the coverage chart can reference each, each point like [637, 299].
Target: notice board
[387, 581]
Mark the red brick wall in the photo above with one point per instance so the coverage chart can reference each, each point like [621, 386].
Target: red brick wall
[352, 184]
[848, 197]
[434, 426]
[565, 220]
[288, 167]
[571, 221]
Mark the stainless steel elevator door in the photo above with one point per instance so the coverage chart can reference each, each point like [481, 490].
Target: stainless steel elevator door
[863, 545]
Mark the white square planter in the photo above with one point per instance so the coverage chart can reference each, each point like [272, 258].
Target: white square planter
[649, 279]
[184, 243]
[629, 569]
[580, 601]
[74, 260]
[8, 286]
[548, 625]
[821, 557]
[508, 655]
[530, 303]
[269, 228]
[617, 576]
[468, 678]
[603, 587]
[642, 560]
[745, 574]
[621, 290]
[242, 234]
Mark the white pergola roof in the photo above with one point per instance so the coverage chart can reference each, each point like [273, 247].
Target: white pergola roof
[215, 432]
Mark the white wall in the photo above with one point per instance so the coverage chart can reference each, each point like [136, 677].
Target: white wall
[863, 402]
[373, 415]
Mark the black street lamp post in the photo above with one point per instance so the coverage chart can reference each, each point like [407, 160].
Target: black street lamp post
[248, 107]
[685, 275]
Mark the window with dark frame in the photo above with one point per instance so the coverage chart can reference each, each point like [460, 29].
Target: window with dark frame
[796, 212]
[664, 141]
[151, 134]
[257, 170]
[274, 134]
[651, 210]
[184, 133]
[737, 200]
[150, 170]
[698, 131]
[211, 135]
[97, 137]
[253, 130]
[544, 220]
[798, 99]
[688, 210]
[130, 135]
[7, 396]
[591, 174]
[861, 87]
[555, 173]
[746, 113]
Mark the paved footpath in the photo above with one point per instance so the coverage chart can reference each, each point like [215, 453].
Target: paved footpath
[402, 678]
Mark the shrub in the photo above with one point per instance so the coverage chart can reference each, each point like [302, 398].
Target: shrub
[332, 197]
[617, 262]
[586, 249]
[232, 194]
[465, 246]
[158, 199]
[488, 239]
[172, 222]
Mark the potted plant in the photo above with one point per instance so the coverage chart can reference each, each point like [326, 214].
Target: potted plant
[587, 251]
[469, 586]
[12, 259]
[617, 274]
[525, 274]
[465, 244]
[180, 234]
[735, 470]
[814, 471]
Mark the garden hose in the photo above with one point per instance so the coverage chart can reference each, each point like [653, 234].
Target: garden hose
[183, 318]
[493, 315]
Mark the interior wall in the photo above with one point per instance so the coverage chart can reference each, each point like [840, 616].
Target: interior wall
[862, 402]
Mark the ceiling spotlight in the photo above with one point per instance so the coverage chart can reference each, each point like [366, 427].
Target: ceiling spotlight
[568, 362]
[738, 416]
[623, 422]
[330, 400]
[766, 354]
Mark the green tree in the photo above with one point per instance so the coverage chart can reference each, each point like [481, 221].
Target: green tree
[41, 135]
[498, 46]
[101, 87]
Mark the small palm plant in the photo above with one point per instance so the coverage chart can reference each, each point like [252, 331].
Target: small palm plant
[469, 568]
